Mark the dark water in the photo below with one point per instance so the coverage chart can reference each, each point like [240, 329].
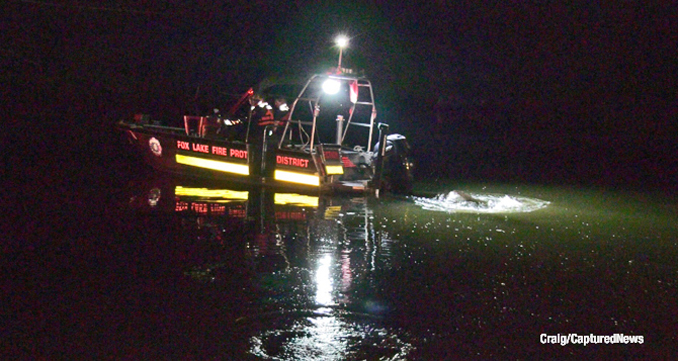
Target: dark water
[116, 264]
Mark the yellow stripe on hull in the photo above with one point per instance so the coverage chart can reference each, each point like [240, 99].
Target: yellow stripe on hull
[213, 164]
[334, 169]
[294, 177]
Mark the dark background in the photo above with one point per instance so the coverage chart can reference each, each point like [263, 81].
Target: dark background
[571, 93]
[566, 94]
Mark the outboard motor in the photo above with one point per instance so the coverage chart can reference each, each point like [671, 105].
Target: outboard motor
[397, 166]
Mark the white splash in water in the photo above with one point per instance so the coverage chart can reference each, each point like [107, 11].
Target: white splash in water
[457, 201]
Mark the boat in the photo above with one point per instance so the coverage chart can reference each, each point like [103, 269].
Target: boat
[327, 141]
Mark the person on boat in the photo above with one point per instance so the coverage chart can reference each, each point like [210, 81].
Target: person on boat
[262, 112]
[261, 128]
[281, 112]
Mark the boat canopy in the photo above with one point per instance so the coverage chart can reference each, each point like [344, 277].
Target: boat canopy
[332, 108]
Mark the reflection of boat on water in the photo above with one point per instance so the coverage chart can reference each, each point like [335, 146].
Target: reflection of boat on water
[306, 263]
[258, 218]
[328, 141]
[246, 203]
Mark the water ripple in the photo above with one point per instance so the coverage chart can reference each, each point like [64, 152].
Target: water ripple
[457, 201]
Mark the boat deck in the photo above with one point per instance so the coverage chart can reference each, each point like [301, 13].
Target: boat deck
[351, 186]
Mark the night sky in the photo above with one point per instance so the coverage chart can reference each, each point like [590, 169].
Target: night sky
[568, 85]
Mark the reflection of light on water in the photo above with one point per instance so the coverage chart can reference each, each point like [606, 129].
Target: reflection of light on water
[329, 336]
[323, 282]
[205, 193]
[296, 199]
[346, 274]
[327, 332]
[480, 203]
[154, 197]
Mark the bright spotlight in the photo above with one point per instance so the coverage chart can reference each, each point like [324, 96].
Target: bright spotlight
[342, 41]
[331, 86]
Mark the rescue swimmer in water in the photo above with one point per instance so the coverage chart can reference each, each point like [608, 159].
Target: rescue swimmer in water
[467, 197]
